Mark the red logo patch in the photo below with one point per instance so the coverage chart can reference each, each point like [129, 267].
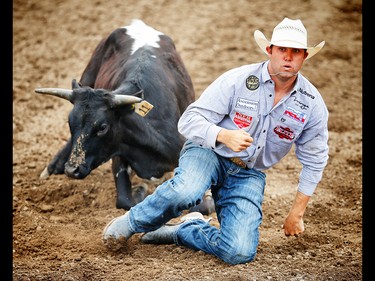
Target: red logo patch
[284, 133]
[242, 120]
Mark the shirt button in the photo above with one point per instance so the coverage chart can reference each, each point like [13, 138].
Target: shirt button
[264, 131]
[258, 147]
[270, 95]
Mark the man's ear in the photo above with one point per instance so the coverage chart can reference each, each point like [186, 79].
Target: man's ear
[269, 50]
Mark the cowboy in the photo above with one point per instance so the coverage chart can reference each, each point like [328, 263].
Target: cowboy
[245, 122]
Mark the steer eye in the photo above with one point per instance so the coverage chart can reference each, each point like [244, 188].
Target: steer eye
[103, 129]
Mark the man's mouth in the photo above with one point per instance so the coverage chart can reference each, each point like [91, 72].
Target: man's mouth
[287, 67]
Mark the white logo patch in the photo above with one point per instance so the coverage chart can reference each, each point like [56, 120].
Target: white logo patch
[248, 104]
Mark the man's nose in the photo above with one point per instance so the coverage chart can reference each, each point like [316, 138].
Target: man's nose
[288, 55]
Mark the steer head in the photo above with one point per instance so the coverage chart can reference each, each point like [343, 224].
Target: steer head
[92, 123]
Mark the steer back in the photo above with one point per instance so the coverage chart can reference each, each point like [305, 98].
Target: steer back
[125, 71]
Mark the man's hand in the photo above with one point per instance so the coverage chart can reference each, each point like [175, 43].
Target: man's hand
[293, 224]
[236, 140]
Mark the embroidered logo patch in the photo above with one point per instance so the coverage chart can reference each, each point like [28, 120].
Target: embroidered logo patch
[295, 114]
[252, 82]
[247, 104]
[300, 104]
[242, 120]
[303, 92]
[284, 133]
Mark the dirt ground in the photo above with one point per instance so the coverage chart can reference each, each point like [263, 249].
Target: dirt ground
[58, 221]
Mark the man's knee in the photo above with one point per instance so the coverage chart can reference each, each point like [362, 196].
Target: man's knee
[239, 257]
[241, 252]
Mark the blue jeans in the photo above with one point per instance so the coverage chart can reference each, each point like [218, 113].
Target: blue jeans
[238, 196]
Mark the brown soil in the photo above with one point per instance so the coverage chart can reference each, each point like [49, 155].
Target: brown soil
[57, 222]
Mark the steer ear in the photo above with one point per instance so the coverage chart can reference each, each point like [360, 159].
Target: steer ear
[139, 94]
[76, 84]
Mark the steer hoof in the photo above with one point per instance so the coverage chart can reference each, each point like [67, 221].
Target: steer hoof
[206, 207]
[139, 192]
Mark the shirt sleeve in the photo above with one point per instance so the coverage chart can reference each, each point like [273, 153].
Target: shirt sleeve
[312, 150]
[199, 121]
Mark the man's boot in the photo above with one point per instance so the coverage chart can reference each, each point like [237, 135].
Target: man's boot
[117, 232]
[167, 233]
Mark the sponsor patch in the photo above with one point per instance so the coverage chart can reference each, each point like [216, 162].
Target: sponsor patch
[242, 120]
[303, 92]
[284, 133]
[252, 82]
[295, 114]
[247, 104]
[300, 104]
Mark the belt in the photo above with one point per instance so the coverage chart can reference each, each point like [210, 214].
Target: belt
[239, 162]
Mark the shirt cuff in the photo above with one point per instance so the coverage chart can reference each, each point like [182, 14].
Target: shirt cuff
[306, 188]
[212, 133]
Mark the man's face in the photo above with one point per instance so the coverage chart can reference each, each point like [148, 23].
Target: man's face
[286, 61]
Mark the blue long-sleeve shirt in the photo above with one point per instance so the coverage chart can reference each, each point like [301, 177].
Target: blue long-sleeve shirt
[242, 98]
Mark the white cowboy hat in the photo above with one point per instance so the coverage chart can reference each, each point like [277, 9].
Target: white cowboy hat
[288, 33]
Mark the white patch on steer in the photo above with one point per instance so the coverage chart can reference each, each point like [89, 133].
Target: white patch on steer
[142, 35]
[120, 171]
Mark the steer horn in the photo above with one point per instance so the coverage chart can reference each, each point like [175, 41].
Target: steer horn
[57, 92]
[125, 99]
[67, 94]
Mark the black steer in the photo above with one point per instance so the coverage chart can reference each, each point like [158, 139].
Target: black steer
[126, 108]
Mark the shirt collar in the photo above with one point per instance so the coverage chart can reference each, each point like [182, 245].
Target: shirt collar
[265, 75]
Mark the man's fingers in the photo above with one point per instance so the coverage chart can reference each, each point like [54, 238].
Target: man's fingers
[295, 235]
[288, 234]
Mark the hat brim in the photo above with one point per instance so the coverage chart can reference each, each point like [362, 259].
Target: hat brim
[262, 42]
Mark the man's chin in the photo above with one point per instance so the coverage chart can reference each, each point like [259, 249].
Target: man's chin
[285, 74]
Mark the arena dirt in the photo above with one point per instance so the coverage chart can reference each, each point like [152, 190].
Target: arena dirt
[57, 222]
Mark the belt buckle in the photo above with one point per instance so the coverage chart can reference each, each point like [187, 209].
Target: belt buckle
[239, 162]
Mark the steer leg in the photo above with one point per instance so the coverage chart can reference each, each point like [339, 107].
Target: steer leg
[206, 206]
[127, 196]
[57, 165]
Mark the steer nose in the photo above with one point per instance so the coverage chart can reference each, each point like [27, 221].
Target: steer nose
[72, 171]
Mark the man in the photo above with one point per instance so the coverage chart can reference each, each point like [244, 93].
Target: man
[246, 121]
